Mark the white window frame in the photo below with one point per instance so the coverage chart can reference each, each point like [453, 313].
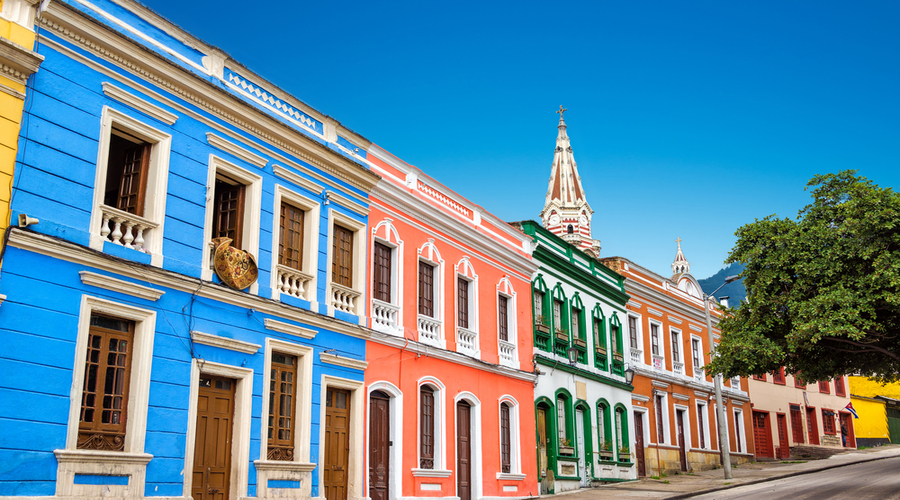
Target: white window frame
[252, 204]
[703, 408]
[515, 457]
[667, 433]
[687, 425]
[661, 342]
[440, 435]
[278, 469]
[132, 461]
[680, 345]
[359, 262]
[310, 250]
[698, 371]
[504, 288]
[386, 234]
[429, 254]
[639, 326]
[740, 433]
[463, 269]
[716, 419]
[643, 414]
[157, 180]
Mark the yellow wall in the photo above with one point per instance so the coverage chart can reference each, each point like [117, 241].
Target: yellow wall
[872, 422]
[861, 386]
[11, 103]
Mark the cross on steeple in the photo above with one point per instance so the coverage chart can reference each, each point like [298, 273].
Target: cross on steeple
[561, 111]
[678, 240]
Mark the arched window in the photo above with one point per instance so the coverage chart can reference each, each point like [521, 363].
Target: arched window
[505, 439]
[426, 427]
[570, 229]
[622, 433]
[604, 431]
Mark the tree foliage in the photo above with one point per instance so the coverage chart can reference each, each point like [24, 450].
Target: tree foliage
[823, 290]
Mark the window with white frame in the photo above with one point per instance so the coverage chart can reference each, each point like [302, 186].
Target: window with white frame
[109, 392]
[654, 340]
[130, 185]
[634, 332]
[661, 416]
[345, 252]
[703, 425]
[386, 270]
[510, 460]
[295, 240]
[232, 210]
[286, 435]
[675, 335]
[506, 324]
[429, 277]
[467, 309]
[697, 355]
[739, 437]
[431, 427]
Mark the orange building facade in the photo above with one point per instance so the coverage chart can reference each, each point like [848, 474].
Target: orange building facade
[449, 377]
[675, 418]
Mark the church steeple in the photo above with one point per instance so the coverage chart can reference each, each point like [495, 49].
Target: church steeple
[566, 211]
[680, 265]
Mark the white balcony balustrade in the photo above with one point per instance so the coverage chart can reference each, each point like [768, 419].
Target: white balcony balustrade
[678, 368]
[292, 282]
[508, 354]
[466, 341]
[429, 330]
[123, 228]
[384, 316]
[699, 375]
[637, 356]
[343, 299]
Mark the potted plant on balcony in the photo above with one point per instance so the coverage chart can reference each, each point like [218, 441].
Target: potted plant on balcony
[601, 350]
[581, 343]
[540, 326]
[617, 356]
[565, 447]
[562, 335]
[606, 450]
[624, 454]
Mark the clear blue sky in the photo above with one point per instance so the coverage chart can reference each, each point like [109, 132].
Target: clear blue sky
[687, 119]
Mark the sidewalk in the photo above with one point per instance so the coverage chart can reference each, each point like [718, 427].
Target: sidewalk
[687, 485]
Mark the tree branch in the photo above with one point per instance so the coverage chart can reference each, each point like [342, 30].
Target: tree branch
[865, 346]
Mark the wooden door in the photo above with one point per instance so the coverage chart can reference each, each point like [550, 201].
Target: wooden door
[212, 446]
[463, 451]
[847, 430]
[541, 418]
[893, 419]
[639, 442]
[583, 461]
[337, 443]
[797, 425]
[784, 446]
[379, 445]
[761, 436]
[812, 428]
[682, 447]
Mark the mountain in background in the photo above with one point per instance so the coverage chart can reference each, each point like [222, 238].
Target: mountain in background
[734, 290]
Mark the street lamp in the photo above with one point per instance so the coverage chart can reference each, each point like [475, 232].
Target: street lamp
[629, 375]
[717, 381]
[572, 354]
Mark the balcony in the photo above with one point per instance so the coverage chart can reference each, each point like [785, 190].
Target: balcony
[678, 368]
[430, 331]
[290, 281]
[508, 354]
[637, 356]
[125, 229]
[467, 341]
[384, 316]
[699, 375]
[343, 299]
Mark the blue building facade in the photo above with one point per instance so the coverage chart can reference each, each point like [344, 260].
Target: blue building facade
[128, 368]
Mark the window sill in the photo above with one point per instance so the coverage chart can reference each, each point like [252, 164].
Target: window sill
[94, 456]
[283, 465]
[430, 473]
[509, 476]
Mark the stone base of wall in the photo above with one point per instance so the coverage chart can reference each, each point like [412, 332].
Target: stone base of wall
[696, 460]
[871, 442]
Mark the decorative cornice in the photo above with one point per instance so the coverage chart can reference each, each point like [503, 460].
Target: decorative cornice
[62, 20]
[223, 342]
[657, 383]
[633, 304]
[701, 394]
[298, 331]
[640, 397]
[235, 150]
[556, 365]
[109, 458]
[696, 328]
[333, 359]
[430, 473]
[11, 91]
[348, 203]
[283, 465]
[139, 104]
[297, 179]
[121, 286]
[17, 62]
[674, 320]
[683, 397]
[64, 250]
[650, 310]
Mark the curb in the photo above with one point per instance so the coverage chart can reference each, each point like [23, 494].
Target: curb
[772, 478]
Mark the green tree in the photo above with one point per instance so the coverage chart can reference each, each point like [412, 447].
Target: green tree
[823, 290]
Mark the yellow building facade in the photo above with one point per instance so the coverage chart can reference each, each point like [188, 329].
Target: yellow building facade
[878, 407]
[18, 61]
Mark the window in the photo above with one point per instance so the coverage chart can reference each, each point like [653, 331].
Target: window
[465, 301]
[557, 315]
[828, 426]
[576, 323]
[778, 376]
[290, 245]
[130, 179]
[660, 423]
[701, 424]
[228, 210]
[578, 333]
[839, 387]
[539, 308]
[503, 318]
[106, 382]
[604, 429]
[676, 345]
[342, 256]
[382, 272]
[295, 245]
[614, 338]
[562, 431]
[739, 437]
[426, 289]
[696, 354]
[600, 358]
[824, 387]
[654, 339]
[505, 453]
[282, 393]
[632, 332]
[761, 378]
[798, 381]
[426, 436]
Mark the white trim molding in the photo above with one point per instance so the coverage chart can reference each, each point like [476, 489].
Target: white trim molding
[121, 286]
[334, 359]
[223, 342]
[282, 327]
[139, 104]
[235, 150]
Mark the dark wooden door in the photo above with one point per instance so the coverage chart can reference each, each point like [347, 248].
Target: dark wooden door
[847, 430]
[797, 425]
[639, 442]
[542, 449]
[463, 451]
[212, 446]
[682, 447]
[812, 428]
[337, 443]
[784, 446]
[761, 436]
[379, 445]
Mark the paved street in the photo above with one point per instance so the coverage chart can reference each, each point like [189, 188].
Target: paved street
[859, 474]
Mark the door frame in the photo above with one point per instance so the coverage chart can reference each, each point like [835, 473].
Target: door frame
[396, 432]
[240, 433]
[356, 471]
[475, 442]
[686, 415]
[642, 414]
